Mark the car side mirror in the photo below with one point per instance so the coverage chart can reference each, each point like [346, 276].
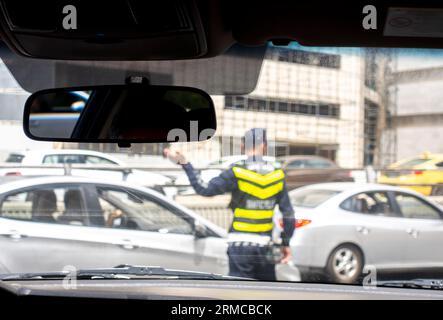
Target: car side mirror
[200, 230]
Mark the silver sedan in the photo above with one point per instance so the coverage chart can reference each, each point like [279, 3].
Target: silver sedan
[53, 223]
[347, 231]
[62, 222]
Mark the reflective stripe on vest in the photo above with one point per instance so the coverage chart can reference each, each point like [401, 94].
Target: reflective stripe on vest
[251, 227]
[257, 187]
[261, 193]
[260, 179]
[253, 214]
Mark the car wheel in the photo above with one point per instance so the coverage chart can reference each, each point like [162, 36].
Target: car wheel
[345, 264]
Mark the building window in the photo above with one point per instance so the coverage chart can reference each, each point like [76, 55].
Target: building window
[283, 107]
[321, 109]
[229, 102]
[318, 59]
[371, 69]
[370, 132]
[273, 106]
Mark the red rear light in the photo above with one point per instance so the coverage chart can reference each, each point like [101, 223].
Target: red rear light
[298, 222]
[13, 174]
[301, 222]
[418, 172]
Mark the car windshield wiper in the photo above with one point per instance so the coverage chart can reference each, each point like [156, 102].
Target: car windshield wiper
[435, 284]
[121, 272]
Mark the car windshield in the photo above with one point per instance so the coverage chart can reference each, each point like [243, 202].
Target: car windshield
[14, 158]
[412, 163]
[336, 118]
[311, 198]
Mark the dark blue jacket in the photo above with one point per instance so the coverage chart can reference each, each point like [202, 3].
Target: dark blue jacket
[227, 182]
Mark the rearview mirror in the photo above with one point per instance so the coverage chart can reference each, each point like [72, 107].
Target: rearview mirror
[121, 114]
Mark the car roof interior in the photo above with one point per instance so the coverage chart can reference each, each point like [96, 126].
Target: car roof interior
[191, 29]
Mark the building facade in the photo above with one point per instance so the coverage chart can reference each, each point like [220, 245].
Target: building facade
[320, 101]
[327, 102]
[417, 103]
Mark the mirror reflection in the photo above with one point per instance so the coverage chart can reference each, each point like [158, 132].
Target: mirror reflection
[132, 113]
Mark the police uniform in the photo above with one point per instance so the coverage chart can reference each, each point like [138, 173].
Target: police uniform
[257, 187]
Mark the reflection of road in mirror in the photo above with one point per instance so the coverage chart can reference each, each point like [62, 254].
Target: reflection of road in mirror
[56, 114]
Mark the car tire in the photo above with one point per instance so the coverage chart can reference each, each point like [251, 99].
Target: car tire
[345, 264]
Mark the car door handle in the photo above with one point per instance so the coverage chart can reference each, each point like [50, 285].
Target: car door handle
[362, 230]
[127, 245]
[13, 234]
[412, 232]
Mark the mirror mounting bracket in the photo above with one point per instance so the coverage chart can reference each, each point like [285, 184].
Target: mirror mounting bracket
[137, 80]
[124, 145]
[133, 80]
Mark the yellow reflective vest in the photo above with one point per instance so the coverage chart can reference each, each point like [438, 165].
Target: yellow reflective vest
[255, 198]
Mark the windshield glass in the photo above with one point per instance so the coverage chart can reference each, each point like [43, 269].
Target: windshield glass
[221, 162]
[334, 116]
[311, 198]
[412, 163]
[14, 158]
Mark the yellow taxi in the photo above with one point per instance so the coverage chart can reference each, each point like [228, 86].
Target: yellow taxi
[423, 174]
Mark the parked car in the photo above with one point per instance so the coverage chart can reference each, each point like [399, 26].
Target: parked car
[80, 157]
[48, 223]
[423, 174]
[303, 170]
[343, 227]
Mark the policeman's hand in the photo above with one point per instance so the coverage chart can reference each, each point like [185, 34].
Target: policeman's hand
[175, 156]
[287, 255]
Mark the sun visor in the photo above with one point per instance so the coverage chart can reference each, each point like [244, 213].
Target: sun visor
[91, 30]
[234, 72]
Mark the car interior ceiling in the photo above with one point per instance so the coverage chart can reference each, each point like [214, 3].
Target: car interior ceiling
[225, 22]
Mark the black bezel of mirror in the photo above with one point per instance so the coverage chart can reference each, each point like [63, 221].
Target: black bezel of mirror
[27, 111]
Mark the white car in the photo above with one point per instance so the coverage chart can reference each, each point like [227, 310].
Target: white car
[212, 170]
[49, 223]
[79, 157]
[344, 227]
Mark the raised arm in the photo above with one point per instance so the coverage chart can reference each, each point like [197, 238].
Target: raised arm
[225, 182]
[218, 185]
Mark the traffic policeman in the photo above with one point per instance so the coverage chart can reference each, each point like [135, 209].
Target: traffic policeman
[257, 187]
